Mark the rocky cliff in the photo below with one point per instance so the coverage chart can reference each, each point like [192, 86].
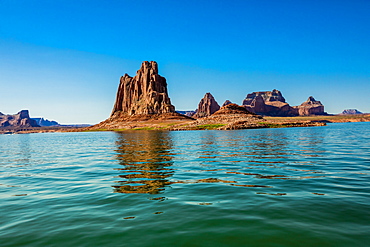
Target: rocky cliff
[207, 106]
[145, 93]
[21, 119]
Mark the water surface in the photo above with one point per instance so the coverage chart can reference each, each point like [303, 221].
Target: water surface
[262, 187]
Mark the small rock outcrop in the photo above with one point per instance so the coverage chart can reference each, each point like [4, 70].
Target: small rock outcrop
[311, 107]
[227, 102]
[207, 106]
[145, 93]
[21, 119]
[267, 96]
[351, 112]
[231, 116]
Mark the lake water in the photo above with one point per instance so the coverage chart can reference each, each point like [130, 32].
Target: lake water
[261, 187]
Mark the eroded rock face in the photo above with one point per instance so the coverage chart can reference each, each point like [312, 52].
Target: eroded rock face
[311, 107]
[21, 119]
[207, 106]
[269, 103]
[145, 93]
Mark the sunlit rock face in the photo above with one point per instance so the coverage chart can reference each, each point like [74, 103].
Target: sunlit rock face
[207, 106]
[145, 93]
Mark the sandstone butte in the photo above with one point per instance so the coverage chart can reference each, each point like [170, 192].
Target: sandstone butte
[272, 103]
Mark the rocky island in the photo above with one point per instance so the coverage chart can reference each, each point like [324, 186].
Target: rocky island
[142, 102]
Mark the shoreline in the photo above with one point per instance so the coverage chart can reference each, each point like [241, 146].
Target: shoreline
[184, 125]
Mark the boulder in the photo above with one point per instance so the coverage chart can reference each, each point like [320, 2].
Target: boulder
[350, 112]
[207, 106]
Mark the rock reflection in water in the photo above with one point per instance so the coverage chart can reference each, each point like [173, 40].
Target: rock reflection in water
[146, 161]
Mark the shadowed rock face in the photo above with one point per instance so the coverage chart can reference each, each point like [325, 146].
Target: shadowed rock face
[21, 119]
[145, 93]
[207, 106]
[267, 96]
[311, 107]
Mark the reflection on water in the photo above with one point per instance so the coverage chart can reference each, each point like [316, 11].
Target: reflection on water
[146, 161]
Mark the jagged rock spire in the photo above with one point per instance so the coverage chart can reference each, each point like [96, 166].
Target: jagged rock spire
[207, 106]
[145, 93]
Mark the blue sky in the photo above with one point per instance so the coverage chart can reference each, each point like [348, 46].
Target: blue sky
[62, 60]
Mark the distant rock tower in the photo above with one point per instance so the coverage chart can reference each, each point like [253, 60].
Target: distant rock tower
[207, 106]
[143, 94]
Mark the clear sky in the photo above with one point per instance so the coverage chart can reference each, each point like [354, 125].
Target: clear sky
[62, 59]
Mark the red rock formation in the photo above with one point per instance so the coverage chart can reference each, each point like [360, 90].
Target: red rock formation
[311, 107]
[145, 93]
[207, 106]
[21, 119]
[269, 103]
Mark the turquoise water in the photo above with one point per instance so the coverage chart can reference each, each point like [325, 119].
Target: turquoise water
[262, 187]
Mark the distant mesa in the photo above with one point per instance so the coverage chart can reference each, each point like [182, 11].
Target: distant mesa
[272, 103]
[350, 112]
[21, 119]
[186, 113]
[207, 106]
[45, 122]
